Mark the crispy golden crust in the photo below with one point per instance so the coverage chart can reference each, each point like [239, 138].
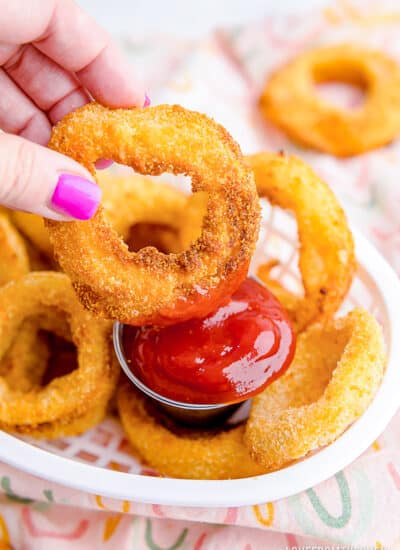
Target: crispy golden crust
[335, 373]
[191, 219]
[14, 261]
[25, 362]
[290, 100]
[73, 395]
[148, 286]
[66, 426]
[326, 260]
[193, 454]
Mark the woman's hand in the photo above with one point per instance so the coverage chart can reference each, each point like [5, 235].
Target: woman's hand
[53, 59]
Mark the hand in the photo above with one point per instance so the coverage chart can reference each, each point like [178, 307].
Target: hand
[53, 59]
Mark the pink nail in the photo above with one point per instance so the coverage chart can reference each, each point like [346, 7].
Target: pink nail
[102, 164]
[147, 101]
[76, 196]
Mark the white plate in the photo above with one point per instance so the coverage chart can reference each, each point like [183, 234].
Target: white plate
[377, 284]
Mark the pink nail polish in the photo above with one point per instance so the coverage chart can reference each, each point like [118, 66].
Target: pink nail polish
[147, 101]
[102, 164]
[76, 197]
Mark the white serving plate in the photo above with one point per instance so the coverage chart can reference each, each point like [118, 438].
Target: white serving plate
[89, 462]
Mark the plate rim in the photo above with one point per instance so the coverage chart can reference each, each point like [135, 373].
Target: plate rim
[245, 491]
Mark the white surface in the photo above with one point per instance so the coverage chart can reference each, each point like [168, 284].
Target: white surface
[184, 18]
[384, 284]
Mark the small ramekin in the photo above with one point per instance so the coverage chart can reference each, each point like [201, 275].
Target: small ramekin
[191, 414]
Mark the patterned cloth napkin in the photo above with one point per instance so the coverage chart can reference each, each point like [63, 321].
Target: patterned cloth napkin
[222, 76]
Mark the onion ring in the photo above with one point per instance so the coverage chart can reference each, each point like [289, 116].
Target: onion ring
[336, 371]
[192, 453]
[148, 287]
[290, 101]
[326, 258]
[71, 399]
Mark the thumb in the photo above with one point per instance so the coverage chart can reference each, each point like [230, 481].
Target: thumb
[39, 180]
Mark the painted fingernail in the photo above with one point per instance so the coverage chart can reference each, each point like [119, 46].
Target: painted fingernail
[147, 101]
[76, 197]
[102, 164]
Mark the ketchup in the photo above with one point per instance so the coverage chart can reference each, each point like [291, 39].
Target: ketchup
[226, 357]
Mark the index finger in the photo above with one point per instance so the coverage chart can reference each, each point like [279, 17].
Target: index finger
[66, 34]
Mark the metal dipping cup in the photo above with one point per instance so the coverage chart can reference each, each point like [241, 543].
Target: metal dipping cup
[190, 414]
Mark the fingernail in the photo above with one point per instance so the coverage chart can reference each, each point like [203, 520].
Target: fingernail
[102, 164]
[76, 196]
[147, 101]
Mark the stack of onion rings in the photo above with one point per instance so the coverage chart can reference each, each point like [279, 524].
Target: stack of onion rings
[338, 364]
[290, 100]
[320, 384]
[148, 287]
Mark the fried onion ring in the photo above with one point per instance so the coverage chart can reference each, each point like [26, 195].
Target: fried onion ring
[149, 287]
[188, 453]
[326, 256]
[335, 373]
[290, 100]
[68, 401]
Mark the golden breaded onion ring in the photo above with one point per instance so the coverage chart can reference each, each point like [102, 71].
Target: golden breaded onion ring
[326, 255]
[149, 287]
[68, 398]
[193, 453]
[335, 374]
[291, 102]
